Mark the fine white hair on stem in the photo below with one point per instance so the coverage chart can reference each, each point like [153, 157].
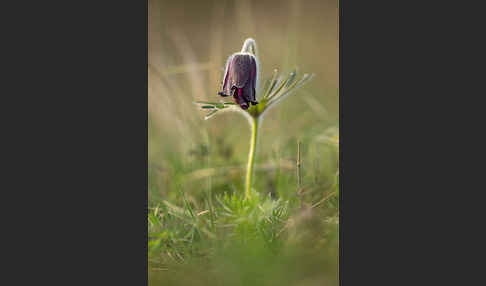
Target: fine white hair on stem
[249, 46]
[245, 114]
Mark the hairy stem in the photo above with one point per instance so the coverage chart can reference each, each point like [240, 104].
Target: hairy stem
[249, 46]
[251, 156]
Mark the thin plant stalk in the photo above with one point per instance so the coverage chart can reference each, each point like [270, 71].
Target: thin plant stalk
[299, 177]
[276, 89]
[251, 155]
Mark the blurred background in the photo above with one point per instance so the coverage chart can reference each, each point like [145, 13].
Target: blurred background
[189, 43]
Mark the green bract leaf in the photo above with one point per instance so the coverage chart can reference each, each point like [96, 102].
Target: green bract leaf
[271, 83]
[210, 114]
[207, 102]
[274, 86]
[291, 78]
[284, 93]
[281, 84]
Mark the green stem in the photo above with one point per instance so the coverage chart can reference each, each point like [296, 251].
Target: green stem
[251, 156]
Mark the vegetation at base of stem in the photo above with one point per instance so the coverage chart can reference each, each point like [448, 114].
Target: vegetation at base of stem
[203, 228]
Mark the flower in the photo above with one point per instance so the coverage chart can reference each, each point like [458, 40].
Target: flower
[240, 79]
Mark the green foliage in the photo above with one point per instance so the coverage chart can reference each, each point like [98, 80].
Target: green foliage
[274, 90]
[203, 230]
[254, 218]
[177, 230]
[238, 241]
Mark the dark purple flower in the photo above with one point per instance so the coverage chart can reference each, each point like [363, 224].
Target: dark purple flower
[240, 79]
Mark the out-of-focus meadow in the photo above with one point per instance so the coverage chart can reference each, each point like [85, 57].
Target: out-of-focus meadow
[198, 233]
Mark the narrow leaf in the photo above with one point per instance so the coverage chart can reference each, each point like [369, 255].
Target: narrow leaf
[266, 86]
[291, 78]
[206, 102]
[281, 85]
[210, 114]
[272, 84]
[294, 87]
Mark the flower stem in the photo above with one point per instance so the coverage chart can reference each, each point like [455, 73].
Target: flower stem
[251, 156]
[249, 46]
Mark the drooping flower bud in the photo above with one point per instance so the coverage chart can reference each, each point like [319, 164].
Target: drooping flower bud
[240, 79]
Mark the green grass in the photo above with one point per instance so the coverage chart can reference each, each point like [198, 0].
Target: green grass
[203, 232]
